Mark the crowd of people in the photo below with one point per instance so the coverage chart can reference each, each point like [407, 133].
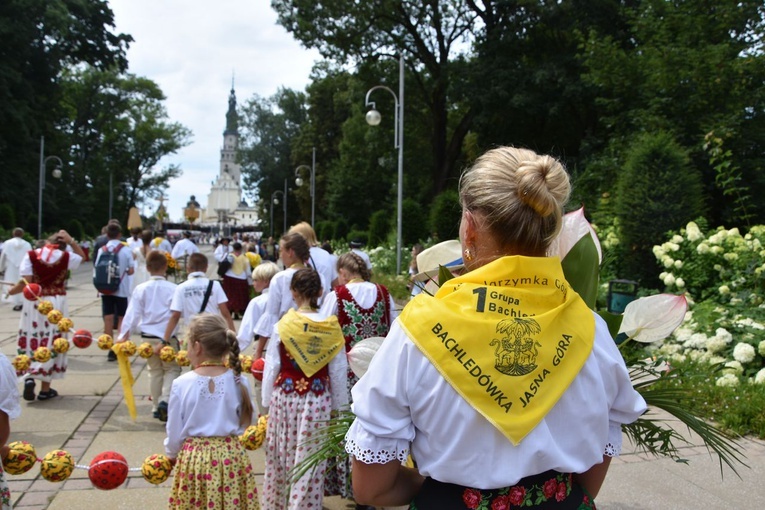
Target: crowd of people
[427, 431]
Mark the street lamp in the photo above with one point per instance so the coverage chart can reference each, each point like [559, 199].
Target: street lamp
[275, 200]
[56, 173]
[373, 119]
[299, 182]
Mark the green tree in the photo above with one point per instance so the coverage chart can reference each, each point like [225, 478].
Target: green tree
[41, 38]
[658, 191]
[445, 214]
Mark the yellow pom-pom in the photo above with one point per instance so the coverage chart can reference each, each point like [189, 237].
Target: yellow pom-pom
[167, 354]
[182, 358]
[156, 468]
[44, 307]
[246, 362]
[128, 347]
[65, 324]
[56, 466]
[20, 459]
[145, 350]
[42, 354]
[21, 363]
[105, 342]
[54, 316]
[254, 435]
[61, 345]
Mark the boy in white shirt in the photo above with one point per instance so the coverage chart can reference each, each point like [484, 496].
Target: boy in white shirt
[261, 279]
[149, 308]
[196, 295]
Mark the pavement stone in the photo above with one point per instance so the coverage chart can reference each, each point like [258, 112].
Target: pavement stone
[90, 417]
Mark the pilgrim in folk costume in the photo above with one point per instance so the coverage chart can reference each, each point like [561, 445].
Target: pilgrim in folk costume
[363, 309]
[303, 381]
[516, 387]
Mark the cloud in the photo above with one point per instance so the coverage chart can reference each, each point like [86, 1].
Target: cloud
[191, 48]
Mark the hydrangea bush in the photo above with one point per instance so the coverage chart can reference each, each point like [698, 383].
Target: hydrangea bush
[721, 273]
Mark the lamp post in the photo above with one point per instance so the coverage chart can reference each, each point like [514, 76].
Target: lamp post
[56, 173]
[299, 182]
[373, 119]
[275, 200]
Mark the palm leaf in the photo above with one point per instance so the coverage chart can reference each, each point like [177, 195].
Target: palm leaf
[326, 445]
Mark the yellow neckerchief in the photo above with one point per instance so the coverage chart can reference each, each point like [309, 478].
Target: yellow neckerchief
[157, 241]
[509, 337]
[312, 344]
[254, 259]
[238, 265]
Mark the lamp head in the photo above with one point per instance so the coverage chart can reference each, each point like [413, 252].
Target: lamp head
[299, 181]
[276, 201]
[373, 117]
[56, 172]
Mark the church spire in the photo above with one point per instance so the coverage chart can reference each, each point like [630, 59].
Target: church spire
[232, 118]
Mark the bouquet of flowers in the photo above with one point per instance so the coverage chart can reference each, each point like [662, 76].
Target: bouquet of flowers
[172, 264]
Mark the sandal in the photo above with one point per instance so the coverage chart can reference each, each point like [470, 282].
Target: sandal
[45, 395]
[29, 389]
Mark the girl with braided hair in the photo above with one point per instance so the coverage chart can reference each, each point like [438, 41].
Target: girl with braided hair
[303, 381]
[209, 408]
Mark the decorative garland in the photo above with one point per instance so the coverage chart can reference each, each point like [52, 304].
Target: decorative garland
[108, 470]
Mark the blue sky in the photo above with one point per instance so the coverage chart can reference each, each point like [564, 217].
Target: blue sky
[191, 48]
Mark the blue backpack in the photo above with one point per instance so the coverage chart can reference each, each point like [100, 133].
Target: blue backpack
[106, 272]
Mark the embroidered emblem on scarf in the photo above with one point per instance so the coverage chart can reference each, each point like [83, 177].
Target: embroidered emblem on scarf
[509, 337]
[312, 344]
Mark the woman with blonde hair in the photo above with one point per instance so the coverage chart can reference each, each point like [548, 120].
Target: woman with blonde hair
[506, 388]
[209, 408]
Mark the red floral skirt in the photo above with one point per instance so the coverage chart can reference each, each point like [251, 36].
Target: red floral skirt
[238, 294]
[548, 490]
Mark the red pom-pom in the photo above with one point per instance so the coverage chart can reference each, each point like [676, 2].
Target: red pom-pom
[257, 368]
[32, 291]
[108, 470]
[82, 338]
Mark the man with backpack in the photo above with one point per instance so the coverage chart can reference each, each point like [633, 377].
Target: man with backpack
[112, 268]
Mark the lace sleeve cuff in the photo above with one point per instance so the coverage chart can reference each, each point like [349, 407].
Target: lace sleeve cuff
[614, 446]
[371, 449]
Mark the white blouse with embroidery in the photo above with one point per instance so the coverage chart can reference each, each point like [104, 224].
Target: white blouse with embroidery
[403, 402]
[193, 410]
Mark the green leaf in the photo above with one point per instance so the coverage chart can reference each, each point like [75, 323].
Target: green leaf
[582, 269]
[613, 320]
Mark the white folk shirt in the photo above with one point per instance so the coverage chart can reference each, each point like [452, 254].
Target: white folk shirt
[134, 243]
[326, 265]
[14, 250]
[195, 412]
[279, 302]
[365, 294]
[255, 309]
[184, 247]
[222, 251]
[163, 246]
[149, 308]
[338, 370]
[51, 256]
[453, 443]
[189, 295]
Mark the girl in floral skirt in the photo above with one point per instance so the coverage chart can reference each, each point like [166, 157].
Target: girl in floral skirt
[304, 380]
[207, 410]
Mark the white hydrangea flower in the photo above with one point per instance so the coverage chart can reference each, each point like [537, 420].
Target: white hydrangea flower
[733, 367]
[716, 360]
[716, 250]
[724, 290]
[734, 232]
[761, 348]
[677, 239]
[727, 380]
[724, 335]
[678, 358]
[693, 232]
[717, 267]
[668, 261]
[743, 353]
[702, 248]
[715, 344]
[669, 280]
[682, 334]
[736, 301]
[749, 323]
[673, 246]
[759, 378]
[730, 257]
[678, 264]
[680, 283]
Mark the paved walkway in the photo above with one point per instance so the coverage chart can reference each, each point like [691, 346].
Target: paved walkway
[90, 417]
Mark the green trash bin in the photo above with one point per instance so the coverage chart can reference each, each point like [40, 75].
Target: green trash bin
[620, 294]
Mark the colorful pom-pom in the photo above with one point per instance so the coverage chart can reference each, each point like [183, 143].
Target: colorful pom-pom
[145, 350]
[82, 338]
[20, 459]
[56, 466]
[257, 368]
[21, 363]
[108, 470]
[42, 354]
[167, 354]
[61, 345]
[156, 468]
[105, 342]
[44, 307]
[65, 325]
[32, 291]
[54, 316]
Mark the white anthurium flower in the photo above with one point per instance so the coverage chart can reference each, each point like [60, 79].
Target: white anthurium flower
[575, 227]
[361, 354]
[652, 318]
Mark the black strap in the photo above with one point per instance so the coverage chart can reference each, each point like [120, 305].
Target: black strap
[207, 296]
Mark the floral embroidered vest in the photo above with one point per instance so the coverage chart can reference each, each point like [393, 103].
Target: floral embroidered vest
[291, 378]
[359, 323]
[50, 277]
